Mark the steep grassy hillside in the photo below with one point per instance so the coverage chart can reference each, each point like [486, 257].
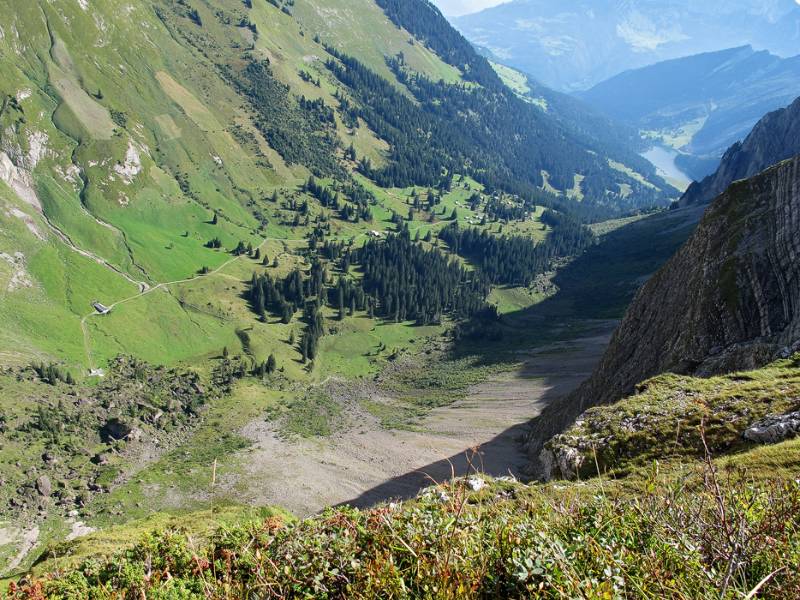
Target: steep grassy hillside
[123, 137]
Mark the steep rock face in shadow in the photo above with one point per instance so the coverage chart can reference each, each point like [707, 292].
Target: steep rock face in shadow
[728, 300]
[776, 137]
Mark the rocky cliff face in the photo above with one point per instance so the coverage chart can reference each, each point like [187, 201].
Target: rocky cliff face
[728, 300]
[776, 137]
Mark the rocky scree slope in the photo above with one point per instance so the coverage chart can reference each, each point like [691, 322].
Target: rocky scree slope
[728, 300]
[776, 137]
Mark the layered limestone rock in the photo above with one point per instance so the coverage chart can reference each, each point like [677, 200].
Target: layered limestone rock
[728, 300]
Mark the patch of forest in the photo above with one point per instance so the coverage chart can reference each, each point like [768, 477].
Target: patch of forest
[513, 259]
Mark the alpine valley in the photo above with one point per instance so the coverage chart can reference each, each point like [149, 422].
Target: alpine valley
[312, 299]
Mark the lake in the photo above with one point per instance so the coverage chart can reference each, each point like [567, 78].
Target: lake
[664, 161]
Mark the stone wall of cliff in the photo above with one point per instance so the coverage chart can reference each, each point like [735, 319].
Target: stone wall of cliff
[728, 300]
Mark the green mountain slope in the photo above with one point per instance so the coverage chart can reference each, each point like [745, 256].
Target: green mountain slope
[250, 245]
[272, 203]
[126, 128]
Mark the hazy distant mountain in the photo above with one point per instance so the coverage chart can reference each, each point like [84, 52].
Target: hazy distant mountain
[575, 44]
[776, 137]
[701, 104]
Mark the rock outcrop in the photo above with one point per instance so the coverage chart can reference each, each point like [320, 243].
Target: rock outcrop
[728, 300]
[775, 138]
[774, 429]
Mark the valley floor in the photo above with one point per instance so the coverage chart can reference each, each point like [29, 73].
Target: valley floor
[367, 463]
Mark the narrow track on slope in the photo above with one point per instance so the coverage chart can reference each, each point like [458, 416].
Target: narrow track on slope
[87, 343]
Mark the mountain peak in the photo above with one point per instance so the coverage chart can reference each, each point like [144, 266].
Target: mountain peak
[775, 137]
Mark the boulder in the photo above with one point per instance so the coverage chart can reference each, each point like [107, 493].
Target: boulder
[774, 429]
[101, 458]
[43, 485]
[561, 461]
[476, 484]
[115, 429]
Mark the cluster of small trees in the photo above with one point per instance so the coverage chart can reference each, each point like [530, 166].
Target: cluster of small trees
[361, 199]
[315, 329]
[410, 282]
[402, 281]
[284, 296]
[266, 368]
[348, 297]
[498, 210]
[52, 374]
[516, 260]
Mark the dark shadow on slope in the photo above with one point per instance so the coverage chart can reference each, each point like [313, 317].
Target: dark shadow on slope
[598, 285]
[594, 291]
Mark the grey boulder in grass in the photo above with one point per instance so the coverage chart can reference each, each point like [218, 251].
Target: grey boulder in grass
[774, 429]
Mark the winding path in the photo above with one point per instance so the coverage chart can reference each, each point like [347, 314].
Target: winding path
[144, 291]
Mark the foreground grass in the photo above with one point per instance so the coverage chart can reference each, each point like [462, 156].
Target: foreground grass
[709, 531]
[664, 420]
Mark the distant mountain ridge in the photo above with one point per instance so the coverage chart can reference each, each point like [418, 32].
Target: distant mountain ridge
[775, 137]
[700, 104]
[576, 44]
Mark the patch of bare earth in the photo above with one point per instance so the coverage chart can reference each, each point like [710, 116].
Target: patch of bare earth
[26, 541]
[369, 464]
